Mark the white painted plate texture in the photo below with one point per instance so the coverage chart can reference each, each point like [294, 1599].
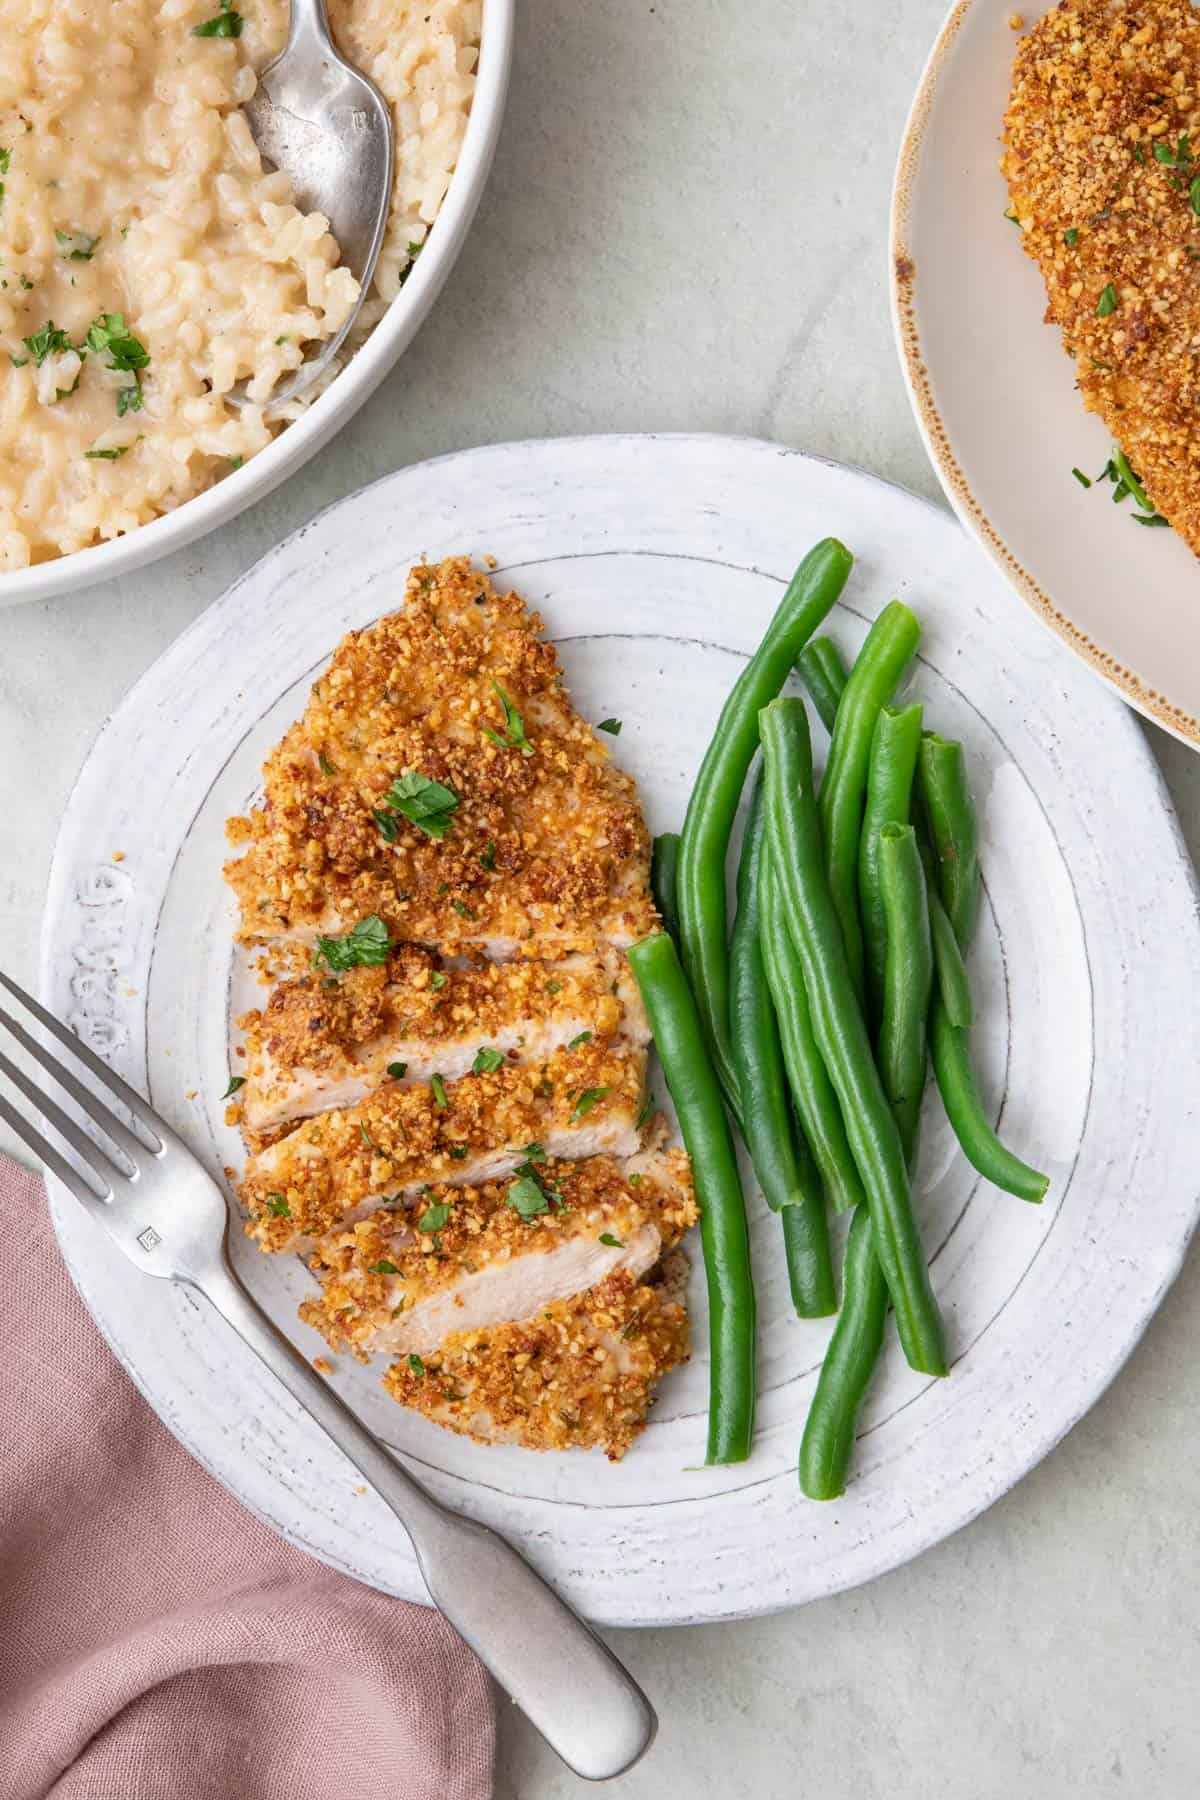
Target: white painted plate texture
[657, 563]
[994, 391]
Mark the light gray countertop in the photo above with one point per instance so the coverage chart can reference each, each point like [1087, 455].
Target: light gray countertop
[686, 230]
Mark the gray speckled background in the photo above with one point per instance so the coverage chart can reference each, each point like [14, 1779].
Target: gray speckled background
[685, 230]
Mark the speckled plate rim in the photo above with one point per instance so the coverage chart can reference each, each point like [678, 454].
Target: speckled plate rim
[901, 280]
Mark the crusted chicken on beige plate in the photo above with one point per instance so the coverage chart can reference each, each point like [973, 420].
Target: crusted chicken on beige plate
[444, 1096]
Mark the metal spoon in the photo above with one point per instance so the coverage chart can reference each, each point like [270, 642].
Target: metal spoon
[329, 129]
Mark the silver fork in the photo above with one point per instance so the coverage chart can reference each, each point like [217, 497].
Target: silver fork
[160, 1206]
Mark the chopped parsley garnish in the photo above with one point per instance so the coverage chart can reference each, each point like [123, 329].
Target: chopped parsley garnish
[235, 1082]
[224, 23]
[462, 909]
[612, 726]
[635, 1181]
[1012, 218]
[1125, 482]
[365, 946]
[614, 1243]
[1194, 196]
[533, 1153]
[326, 767]
[108, 455]
[397, 1071]
[76, 246]
[382, 1268]
[527, 1197]
[108, 332]
[1107, 302]
[554, 987]
[415, 1364]
[586, 1101]
[582, 1037]
[458, 1153]
[1081, 478]
[5, 159]
[439, 1091]
[438, 980]
[389, 831]
[424, 803]
[1179, 158]
[278, 1207]
[1070, 235]
[235, 462]
[514, 726]
[487, 1060]
[49, 341]
[434, 1218]
[488, 858]
[129, 399]
[365, 1135]
[644, 1112]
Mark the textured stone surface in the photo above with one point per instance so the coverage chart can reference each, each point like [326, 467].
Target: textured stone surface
[685, 230]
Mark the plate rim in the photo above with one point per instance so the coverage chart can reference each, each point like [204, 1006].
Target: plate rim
[888, 1556]
[971, 513]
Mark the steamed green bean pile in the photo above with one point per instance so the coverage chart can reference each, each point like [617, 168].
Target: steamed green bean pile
[814, 1024]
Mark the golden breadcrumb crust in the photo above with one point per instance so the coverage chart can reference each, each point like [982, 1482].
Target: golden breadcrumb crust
[579, 1375]
[549, 843]
[308, 1182]
[374, 1269]
[320, 1022]
[1102, 93]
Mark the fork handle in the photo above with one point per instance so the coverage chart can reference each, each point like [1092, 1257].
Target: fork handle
[567, 1682]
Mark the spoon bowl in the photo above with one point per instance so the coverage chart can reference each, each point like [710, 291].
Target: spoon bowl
[319, 120]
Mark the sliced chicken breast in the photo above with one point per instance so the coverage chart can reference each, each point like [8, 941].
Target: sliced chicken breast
[322, 1043]
[579, 1375]
[467, 1258]
[344, 1165]
[441, 780]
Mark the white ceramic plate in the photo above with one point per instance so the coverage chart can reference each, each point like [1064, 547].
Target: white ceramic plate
[994, 393]
[291, 449]
[657, 563]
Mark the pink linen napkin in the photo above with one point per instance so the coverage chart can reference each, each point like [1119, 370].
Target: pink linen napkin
[156, 1641]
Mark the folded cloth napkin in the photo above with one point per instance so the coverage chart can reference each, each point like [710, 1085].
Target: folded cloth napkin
[156, 1641]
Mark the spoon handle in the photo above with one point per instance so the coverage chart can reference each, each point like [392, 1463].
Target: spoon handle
[308, 24]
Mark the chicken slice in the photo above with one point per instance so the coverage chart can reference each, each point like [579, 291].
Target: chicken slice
[467, 1258]
[343, 1165]
[320, 1044]
[512, 828]
[579, 1375]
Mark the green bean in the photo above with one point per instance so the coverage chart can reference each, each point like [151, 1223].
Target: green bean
[848, 1366]
[823, 673]
[664, 868]
[858, 1335]
[890, 646]
[812, 1090]
[840, 1030]
[714, 802]
[675, 1022]
[908, 978]
[964, 1108]
[951, 815]
[789, 1184]
[951, 971]
[891, 769]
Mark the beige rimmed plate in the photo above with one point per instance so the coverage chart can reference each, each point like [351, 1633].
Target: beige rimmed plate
[656, 564]
[994, 393]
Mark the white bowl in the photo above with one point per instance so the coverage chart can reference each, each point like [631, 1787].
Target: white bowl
[344, 395]
[994, 392]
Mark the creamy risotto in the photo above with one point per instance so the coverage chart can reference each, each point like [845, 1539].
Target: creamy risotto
[147, 260]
